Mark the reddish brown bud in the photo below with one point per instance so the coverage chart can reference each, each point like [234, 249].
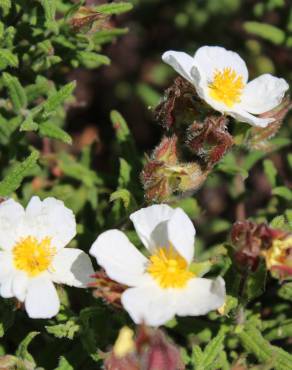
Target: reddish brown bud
[210, 139]
[178, 103]
[258, 136]
[110, 291]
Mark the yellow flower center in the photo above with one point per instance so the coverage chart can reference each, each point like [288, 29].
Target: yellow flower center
[33, 256]
[226, 87]
[169, 268]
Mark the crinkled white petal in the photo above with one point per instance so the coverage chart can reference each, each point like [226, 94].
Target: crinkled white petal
[150, 225]
[19, 285]
[181, 234]
[149, 304]
[210, 59]
[11, 216]
[49, 218]
[263, 94]
[6, 286]
[41, 301]
[72, 267]
[200, 296]
[119, 257]
[244, 116]
[181, 62]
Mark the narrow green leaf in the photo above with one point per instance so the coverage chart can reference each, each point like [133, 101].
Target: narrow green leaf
[114, 8]
[253, 341]
[17, 173]
[67, 330]
[282, 192]
[127, 198]
[22, 350]
[285, 291]
[270, 171]
[7, 58]
[50, 7]
[265, 31]
[48, 129]
[15, 90]
[58, 98]
[90, 59]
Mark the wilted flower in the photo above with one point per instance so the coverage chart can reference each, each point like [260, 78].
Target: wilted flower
[252, 241]
[163, 285]
[150, 350]
[33, 254]
[220, 77]
[279, 257]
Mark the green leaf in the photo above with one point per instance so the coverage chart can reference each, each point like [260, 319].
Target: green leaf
[265, 31]
[114, 8]
[280, 331]
[48, 129]
[123, 136]
[67, 330]
[58, 98]
[17, 173]
[255, 283]
[5, 5]
[64, 364]
[7, 58]
[127, 198]
[15, 90]
[270, 171]
[207, 360]
[29, 124]
[282, 192]
[50, 7]
[90, 59]
[22, 350]
[253, 341]
[285, 291]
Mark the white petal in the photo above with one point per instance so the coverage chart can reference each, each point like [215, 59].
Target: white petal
[41, 301]
[19, 285]
[181, 234]
[181, 62]
[6, 286]
[200, 297]
[119, 257]
[244, 116]
[50, 218]
[11, 216]
[149, 304]
[6, 264]
[150, 225]
[209, 59]
[263, 94]
[72, 267]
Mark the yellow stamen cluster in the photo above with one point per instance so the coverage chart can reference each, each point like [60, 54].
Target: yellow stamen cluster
[277, 253]
[169, 268]
[226, 87]
[33, 256]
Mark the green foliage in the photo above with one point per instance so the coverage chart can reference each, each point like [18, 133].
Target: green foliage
[17, 173]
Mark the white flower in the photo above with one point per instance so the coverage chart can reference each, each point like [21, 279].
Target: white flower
[220, 77]
[161, 286]
[33, 256]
